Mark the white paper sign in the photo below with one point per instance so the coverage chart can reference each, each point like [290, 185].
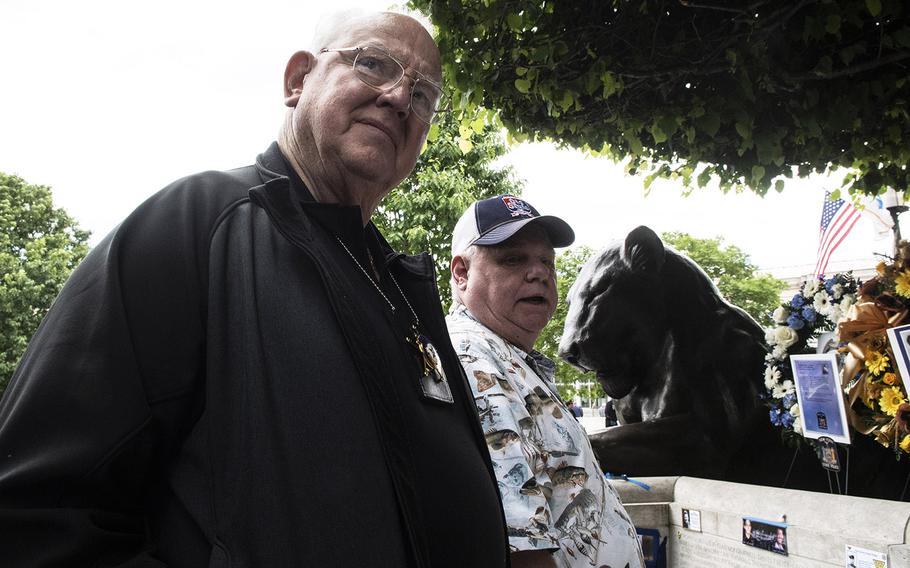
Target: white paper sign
[863, 558]
[821, 401]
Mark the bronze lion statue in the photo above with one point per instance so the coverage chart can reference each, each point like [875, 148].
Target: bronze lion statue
[685, 369]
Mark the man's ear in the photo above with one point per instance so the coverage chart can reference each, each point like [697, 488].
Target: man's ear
[299, 66]
[460, 272]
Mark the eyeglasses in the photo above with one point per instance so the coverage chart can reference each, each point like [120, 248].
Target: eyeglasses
[378, 69]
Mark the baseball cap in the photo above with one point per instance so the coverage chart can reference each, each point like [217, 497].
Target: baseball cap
[493, 220]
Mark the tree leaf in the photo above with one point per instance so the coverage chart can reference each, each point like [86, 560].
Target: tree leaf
[514, 21]
[874, 7]
[658, 134]
[744, 130]
[522, 85]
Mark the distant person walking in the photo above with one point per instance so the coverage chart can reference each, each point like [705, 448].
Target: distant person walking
[576, 411]
[610, 418]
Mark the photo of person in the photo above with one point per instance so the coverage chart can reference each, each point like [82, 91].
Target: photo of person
[780, 542]
[767, 535]
[747, 533]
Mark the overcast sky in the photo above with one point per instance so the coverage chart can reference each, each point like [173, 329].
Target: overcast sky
[108, 101]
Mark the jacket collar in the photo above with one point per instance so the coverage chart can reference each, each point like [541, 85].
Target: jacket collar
[287, 208]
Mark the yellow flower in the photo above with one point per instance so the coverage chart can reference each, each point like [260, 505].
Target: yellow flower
[905, 444]
[871, 393]
[890, 379]
[876, 362]
[891, 400]
[902, 284]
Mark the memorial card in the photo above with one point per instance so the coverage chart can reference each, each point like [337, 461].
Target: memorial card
[821, 401]
[899, 337]
[766, 535]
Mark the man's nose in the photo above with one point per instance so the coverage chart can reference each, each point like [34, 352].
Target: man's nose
[539, 271]
[398, 97]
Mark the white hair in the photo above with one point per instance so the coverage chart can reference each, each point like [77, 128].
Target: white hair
[328, 26]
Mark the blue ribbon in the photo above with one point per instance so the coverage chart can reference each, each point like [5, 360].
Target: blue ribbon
[624, 477]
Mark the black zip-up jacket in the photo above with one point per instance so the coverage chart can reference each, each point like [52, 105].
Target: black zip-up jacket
[218, 384]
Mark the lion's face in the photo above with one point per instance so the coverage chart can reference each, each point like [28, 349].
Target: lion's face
[616, 322]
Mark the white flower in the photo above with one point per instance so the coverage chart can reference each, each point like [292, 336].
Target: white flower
[794, 411]
[783, 336]
[837, 291]
[822, 303]
[780, 315]
[772, 375]
[847, 302]
[783, 389]
[779, 352]
[810, 288]
[770, 338]
[835, 314]
[797, 426]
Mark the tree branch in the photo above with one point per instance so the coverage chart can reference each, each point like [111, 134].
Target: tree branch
[689, 4]
[852, 70]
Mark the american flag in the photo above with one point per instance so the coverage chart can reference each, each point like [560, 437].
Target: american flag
[838, 217]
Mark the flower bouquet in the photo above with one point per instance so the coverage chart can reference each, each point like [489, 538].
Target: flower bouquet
[876, 396]
[815, 309]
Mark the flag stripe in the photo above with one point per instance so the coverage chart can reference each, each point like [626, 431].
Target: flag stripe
[836, 228]
[845, 228]
[838, 219]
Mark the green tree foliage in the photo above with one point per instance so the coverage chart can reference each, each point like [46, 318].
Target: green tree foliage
[39, 246]
[732, 273]
[568, 265]
[747, 92]
[452, 172]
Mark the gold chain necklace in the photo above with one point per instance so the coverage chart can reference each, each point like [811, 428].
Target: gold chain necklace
[427, 354]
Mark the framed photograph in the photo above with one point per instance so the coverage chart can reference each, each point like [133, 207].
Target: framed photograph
[899, 337]
[691, 519]
[766, 535]
[821, 401]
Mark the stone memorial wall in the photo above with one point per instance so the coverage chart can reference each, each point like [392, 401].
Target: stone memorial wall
[817, 527]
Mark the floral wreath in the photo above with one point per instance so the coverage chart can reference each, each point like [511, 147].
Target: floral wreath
[877, 402]
[815, 309]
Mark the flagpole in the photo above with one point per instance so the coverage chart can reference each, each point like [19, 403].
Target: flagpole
[895, 211]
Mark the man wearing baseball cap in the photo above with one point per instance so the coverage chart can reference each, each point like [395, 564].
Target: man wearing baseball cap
[559, 508]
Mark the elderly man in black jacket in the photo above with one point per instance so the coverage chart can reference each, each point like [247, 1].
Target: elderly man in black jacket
[172, 409]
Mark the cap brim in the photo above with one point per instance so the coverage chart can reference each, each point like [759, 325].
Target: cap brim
[559, 232]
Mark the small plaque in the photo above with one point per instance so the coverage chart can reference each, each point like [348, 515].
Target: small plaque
[691, 519]
[827, 454]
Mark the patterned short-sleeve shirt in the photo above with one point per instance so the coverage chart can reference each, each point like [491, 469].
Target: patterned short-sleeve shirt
[554, 493]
